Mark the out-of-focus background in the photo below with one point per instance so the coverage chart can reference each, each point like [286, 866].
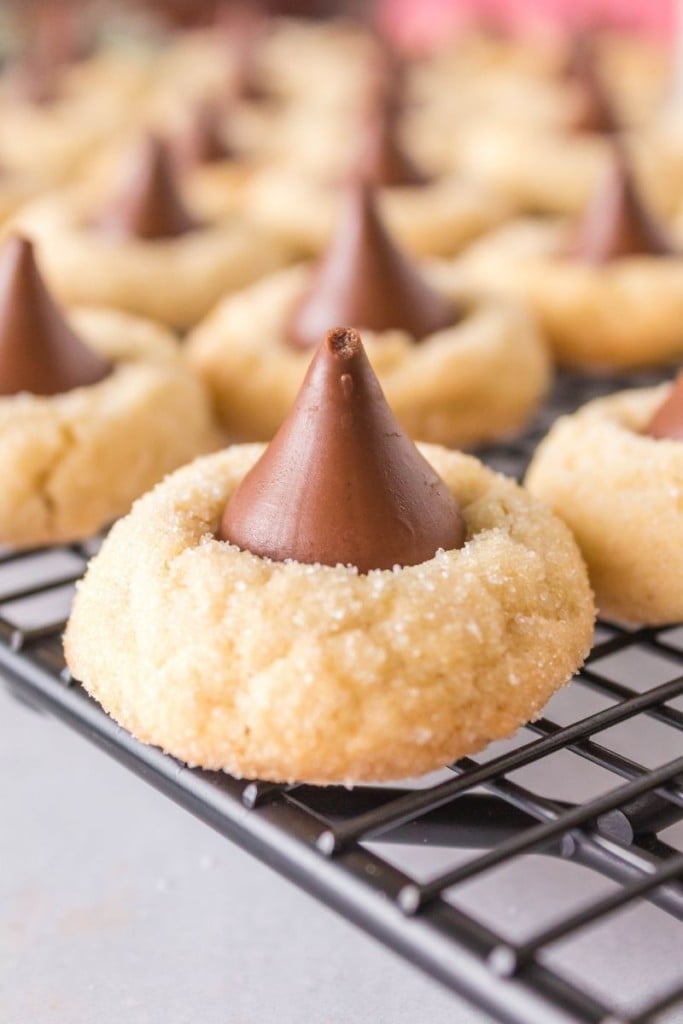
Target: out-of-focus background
[417, 22]
[115, 905]
[427, 19]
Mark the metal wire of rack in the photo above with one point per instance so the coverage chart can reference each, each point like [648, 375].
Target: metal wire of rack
[324, 839]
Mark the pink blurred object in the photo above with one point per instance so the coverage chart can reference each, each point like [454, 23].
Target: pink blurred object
[419, 23]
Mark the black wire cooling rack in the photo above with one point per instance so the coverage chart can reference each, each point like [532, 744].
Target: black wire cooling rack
[481, 813]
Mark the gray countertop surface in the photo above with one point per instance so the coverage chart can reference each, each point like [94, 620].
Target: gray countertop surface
[116, 905]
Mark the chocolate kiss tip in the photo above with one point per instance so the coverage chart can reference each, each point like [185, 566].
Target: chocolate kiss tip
[38, 86]
[343, 342]
[340, 483]
[617, 223]
[39, 352]
[366, 280]
[150, 206]
[667, 422]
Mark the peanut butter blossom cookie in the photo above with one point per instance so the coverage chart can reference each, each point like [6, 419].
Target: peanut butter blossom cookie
[614, 472]
[542, 167]
[431, 215]
[94, 409]
[213, 162]
[457, 367]
[339, 606]
[607, 289]
[61, 97]
[145, 251]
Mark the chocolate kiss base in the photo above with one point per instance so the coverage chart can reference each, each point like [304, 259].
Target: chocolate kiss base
[341, 484]
[203, 142]
[596, 114]
[365, 280]
[150, 206]
[37, 84]
[39, 352]
[617, 223]
[667, 422]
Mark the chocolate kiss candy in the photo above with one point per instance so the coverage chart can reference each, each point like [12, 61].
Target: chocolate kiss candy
[37, 83]
[596, 113]
[243, 23]
[617, 223]
[150, 206]
[387, 68]
[56, 37]
[382, 160]
[341, 483]
[366, 280]
[203, 142]
[39, 352]
[60, 31]
[667, 422]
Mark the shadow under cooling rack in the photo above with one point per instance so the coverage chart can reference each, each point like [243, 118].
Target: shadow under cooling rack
[594, 788]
